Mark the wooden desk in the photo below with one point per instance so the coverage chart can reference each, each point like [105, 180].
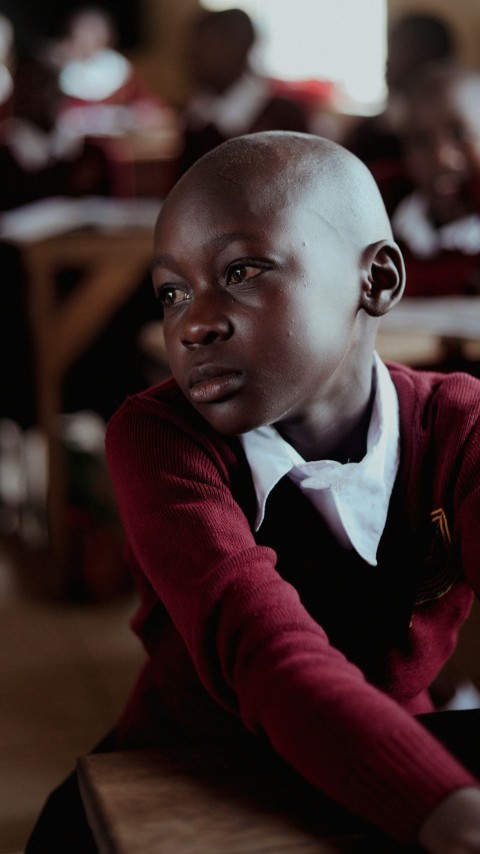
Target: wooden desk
[144, 802]
[421, 330]
[115, 258]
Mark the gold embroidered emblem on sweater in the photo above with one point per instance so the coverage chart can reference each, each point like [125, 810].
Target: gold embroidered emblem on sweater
[440, 571]
[439, 519]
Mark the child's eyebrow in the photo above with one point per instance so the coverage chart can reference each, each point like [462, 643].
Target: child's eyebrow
[222, 240]
[164, 260]
[218, 242]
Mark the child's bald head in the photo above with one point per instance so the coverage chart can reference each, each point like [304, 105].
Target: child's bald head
[281, 166]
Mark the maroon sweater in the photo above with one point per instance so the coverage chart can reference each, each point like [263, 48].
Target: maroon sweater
[290, 634]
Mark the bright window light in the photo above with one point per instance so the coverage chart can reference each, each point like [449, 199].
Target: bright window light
[339, 40]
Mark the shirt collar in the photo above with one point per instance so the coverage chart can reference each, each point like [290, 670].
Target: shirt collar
[234, 111]
[357, 494]
[35, 149]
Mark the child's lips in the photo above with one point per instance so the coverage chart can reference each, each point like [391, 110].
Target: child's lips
[210, 383]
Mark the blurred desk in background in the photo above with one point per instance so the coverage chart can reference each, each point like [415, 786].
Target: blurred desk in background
[112, 241]
[425, 331]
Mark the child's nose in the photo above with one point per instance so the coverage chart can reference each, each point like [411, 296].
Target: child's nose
[206, 322]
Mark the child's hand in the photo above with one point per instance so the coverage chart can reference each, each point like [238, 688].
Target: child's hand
[454, 825]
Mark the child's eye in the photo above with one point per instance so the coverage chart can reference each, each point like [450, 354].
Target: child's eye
[238, 273]
[171, 295]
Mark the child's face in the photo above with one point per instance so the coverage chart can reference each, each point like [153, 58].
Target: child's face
[261, 297]
[442, 149]
[211, 66]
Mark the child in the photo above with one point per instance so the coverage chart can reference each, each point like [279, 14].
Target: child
[414, 41]
[302, 521]
[101, 89]
[229, 97]
[37, 158]
[438, 224]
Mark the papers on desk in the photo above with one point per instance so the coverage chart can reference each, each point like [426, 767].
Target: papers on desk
[59, 215]
[449, 317]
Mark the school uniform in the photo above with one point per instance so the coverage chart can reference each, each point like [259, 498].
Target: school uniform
[281, 620]
[35, 164]
[252, 104]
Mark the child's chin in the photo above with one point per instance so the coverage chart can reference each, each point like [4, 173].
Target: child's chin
[226, 422]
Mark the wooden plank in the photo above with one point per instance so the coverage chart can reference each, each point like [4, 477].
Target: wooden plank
[142, 802]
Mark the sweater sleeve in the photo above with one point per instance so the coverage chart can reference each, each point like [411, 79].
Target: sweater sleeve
[255, 647]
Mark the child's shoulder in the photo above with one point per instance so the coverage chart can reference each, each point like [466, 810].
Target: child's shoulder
[161, 416]
[156, 435]
[163, 401]
[445, 398]
[426, 383]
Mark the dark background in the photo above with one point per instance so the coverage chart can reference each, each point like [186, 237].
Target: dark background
[36, 20]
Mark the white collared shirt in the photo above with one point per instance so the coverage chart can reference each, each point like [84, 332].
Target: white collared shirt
[352, 498]
[234, 111]
[96, 77]
[35, 149]
[411, 223]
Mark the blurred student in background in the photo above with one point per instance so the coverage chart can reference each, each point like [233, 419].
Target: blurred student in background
[40, 159]
[101, 90]
[229, 97]
[37, 158]
[37, 161]
[414, 40]
[438, 222]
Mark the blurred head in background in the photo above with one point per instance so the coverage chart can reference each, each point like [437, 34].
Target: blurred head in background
[441, 140]
[413, 41]
[218, 48]
[87, 31]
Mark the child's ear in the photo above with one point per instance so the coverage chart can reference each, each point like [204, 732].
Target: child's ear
[383, 277]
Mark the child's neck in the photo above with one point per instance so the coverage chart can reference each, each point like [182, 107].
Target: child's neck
[343, 441]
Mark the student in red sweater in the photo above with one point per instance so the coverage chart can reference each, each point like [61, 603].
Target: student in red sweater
[228, 95]
[302, 521]
[438, 223]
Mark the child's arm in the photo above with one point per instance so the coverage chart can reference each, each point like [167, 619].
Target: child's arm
[453, 827]
[255, 647]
